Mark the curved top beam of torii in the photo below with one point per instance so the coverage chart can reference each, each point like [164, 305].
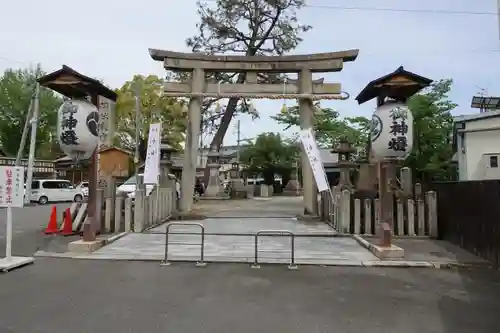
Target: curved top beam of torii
[315, 62]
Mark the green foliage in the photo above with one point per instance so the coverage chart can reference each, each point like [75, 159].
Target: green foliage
[433, 127]
[270, 155]
[256, 27]
[17, 87]
[154, 108]
[330, 128]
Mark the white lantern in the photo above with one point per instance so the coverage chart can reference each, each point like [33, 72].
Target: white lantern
[392, 132]
[77, 128]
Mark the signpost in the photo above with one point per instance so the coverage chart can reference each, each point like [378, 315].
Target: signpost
[11, 195]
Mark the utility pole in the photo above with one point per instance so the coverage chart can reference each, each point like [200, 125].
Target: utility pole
[31, 156]
[25, 133]
[238, 140]
[297, 189]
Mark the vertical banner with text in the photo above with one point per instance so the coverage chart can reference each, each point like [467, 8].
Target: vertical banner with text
[314, 157]
[152, 163]
[106, 132]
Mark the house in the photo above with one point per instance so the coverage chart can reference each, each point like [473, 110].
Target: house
[476, 141]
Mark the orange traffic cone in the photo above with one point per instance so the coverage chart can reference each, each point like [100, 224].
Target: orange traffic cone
[67, 228]
[52, 226]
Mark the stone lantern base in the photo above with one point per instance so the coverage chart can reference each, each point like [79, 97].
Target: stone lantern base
[292, 188]
[214, 188]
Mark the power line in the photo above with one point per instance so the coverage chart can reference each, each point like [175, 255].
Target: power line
[399, 10]
[15, 60]
[403, 10]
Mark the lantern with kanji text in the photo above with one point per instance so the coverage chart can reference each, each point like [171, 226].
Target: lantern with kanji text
[391, 131]
[77, 128]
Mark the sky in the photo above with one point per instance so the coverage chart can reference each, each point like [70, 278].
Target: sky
[109, 40]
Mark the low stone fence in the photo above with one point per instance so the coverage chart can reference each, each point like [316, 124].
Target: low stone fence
[126, 214]
[412, 217]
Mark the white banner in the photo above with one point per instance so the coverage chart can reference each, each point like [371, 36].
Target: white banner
[11, 186]
[152, 164]
[314, 157]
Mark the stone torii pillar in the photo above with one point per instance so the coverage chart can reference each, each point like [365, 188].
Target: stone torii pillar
[306, 121]
[191, 145]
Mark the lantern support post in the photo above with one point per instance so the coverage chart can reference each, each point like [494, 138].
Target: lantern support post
[391, 136]
[75, 85]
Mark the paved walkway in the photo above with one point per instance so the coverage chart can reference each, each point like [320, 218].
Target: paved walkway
[230, 237]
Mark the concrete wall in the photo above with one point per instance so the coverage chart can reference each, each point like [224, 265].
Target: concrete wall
[480, 137]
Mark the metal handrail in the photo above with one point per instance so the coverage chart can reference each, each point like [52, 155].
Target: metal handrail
[202, 244]
[275, 233]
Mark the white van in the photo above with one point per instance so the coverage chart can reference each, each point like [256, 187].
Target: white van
[54, 190]
[128, 188]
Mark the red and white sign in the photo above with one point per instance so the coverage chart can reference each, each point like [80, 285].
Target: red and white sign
[11, 186]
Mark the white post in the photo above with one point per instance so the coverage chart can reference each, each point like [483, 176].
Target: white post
[31, 156]
[157, 215]
[8, 241]
[498, 16]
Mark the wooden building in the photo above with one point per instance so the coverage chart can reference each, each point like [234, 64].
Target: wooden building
[41, 168]
[113, 161]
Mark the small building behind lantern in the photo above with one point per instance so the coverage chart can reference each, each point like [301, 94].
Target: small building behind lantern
[476, 140]
[113, 162]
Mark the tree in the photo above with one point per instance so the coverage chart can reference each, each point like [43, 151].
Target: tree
[155, 107]
[17, 87]
[248, 27]
[268, 156]
[330, 128]
[433, 128]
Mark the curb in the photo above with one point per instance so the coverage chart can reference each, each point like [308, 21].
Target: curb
[363, 242]
[114, 238]
[417, 264]
[156, 225]
[347, 263]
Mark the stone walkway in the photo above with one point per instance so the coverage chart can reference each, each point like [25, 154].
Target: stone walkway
[230, 248]
[250, 226]
[230, 237]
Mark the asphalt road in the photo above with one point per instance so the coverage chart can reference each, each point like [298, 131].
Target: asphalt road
[27, 226]
[58, 295]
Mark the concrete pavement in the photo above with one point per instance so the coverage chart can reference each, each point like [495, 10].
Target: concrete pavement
[28, 224]
[57, 295]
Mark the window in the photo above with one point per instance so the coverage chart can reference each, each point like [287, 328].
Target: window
[50, 185]
[64, 184]
[35, 185]
[494, 161]
[131, 180]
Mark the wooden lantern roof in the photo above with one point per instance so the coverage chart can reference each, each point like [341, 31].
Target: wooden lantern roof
[398, 85]
[73, 84]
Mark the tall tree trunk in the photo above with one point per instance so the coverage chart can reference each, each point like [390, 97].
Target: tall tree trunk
[226, 118]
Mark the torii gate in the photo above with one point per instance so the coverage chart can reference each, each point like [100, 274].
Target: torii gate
[305, 89]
